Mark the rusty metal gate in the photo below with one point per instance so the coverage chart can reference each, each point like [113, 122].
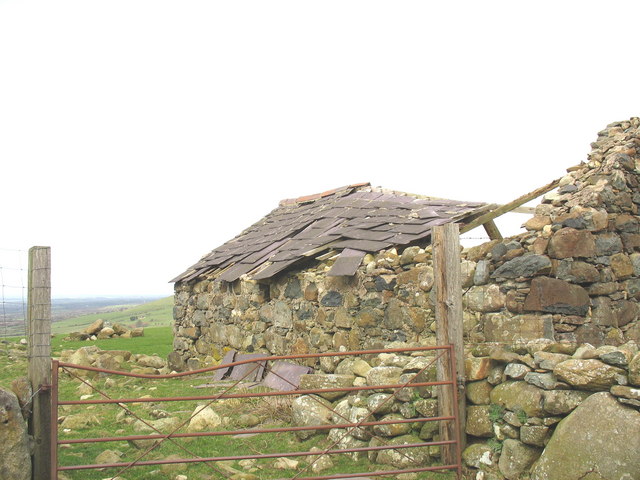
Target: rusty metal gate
[416, 385]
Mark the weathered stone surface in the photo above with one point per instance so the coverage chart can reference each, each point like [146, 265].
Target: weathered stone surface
[517, 396]
[499, 327]
[608, 244]
[204, 418]
[524, 266]
[427, 407]
[516, 371]
[310, 410]
[383, 375]
[478, 422]
[380, 403]
[537, 222]
[589, 374]
[330, 381]
[546, 380]
[569, 242]
[621, 266]
[478, 392]
[575, 271]
[626, 392]
[476, 455]
[95, 327]
[353, 366]
[15, 459]
[482, 274]
[616, 357]
[23, 391]
[516, 458]
[405, 457]
[392, 429]
[634, 370]
[582, 445]
[108, 456]
[152, 361]
[548, 360]
[484, 298]
[557, 296]
[282, 315]
[536, 435]
[332, 299]
[477, 368]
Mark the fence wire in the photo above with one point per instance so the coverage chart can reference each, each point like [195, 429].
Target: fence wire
[13, 293]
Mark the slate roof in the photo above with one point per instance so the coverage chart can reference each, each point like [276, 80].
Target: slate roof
[349, 221]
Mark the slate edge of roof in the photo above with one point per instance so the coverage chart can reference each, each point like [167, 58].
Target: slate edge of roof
[226, 261]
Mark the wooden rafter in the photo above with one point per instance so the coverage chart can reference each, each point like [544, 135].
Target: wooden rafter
[508, 207]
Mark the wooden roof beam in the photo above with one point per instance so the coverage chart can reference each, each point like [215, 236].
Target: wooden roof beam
[508, 207]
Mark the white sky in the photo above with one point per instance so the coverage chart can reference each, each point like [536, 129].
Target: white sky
[136, 136]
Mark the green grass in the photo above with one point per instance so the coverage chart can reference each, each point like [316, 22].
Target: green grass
[156, 341]
[153, 314]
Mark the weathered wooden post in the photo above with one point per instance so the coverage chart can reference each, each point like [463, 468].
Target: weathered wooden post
[448, 308]
[39, 355]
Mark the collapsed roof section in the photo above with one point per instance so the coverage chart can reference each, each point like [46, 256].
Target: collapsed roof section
[348, 222]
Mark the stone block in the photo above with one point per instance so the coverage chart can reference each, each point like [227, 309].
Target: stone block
[556, 296]
[572, 243]
[577, 272]
[499, 327]
[524, 266]
[519, 395]
[478, 422]
[477, 368]
[589, 374]
[484, 298]
[516, 458]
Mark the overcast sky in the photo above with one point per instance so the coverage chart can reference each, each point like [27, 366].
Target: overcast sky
[136, 136]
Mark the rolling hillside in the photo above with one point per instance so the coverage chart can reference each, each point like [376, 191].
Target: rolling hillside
[153, 314]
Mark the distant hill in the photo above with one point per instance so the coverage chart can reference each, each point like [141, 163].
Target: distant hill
[151, 314]
[73, 314]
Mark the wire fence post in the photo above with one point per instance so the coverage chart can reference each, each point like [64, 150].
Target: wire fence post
[39, 356]
[448, 309]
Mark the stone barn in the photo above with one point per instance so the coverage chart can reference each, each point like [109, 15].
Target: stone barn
[351, 268]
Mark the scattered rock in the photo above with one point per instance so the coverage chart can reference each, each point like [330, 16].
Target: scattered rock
[204, 419]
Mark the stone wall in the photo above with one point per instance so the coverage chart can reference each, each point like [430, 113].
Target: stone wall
[543, 409]
[535, 409]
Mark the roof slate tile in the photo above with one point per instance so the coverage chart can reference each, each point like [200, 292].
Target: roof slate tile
[357, 219]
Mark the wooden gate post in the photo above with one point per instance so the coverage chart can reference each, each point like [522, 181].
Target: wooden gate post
[39, 356]
[448, 308]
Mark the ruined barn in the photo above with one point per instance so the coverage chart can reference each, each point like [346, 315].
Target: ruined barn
[352, 268]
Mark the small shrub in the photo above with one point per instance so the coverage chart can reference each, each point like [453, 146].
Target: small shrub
[495, 445]
[495, 412]
[522, 416]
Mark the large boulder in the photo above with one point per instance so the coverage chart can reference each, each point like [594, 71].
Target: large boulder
[15, 460]
[599, 440]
